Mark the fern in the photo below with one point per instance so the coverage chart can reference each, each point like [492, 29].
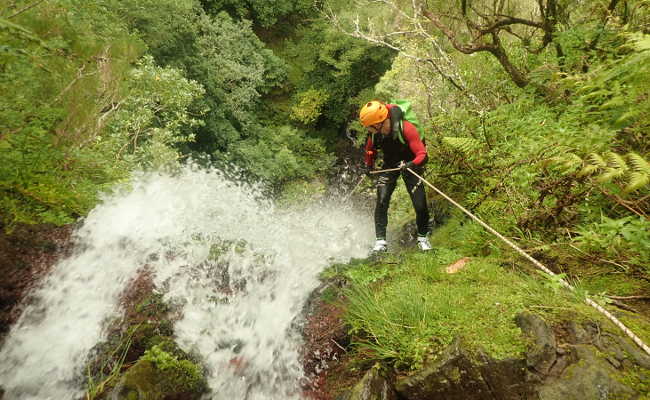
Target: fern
[640, 42]
[463, 144]
[568, 163]
[616, 168]
[639, 164]
[640, 176]
[612, 166]
[593, 164]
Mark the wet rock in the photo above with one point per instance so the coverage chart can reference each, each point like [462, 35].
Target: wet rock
[161, 376]
[457, 374]
[619, 349]
[591, 377]
[582, 333]
[27, 256]
[542, 355]
[624, 349]
[375, 385]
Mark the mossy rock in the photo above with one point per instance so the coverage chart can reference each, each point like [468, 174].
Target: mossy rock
[592, 377]
[375, 385]
[146, 335]
[460, 373]
[160, 375]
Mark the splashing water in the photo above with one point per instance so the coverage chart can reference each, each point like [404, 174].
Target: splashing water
[241, 268]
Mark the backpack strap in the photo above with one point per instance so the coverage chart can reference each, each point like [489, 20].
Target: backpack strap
[396, 116]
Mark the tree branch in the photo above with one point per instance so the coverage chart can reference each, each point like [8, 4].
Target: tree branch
[466, 49]
[26, 8]
[509, 20]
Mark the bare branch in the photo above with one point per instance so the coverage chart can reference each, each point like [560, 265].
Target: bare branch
[438, 60]
[466, 49]
[509, 20]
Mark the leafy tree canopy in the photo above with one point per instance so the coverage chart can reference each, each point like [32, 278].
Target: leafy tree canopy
[262, 12]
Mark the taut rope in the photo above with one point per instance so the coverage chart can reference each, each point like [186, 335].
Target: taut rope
[538, 264]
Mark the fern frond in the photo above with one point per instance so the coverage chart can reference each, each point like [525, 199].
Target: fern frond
[568, 163]
[572, 160]
[588, 169]
[593, 164]
[639, 164]
[616, 161]
[598, 160]
[616, 167]
[613, 166]
[637, 180]
[610, 174]
[640, 41]
[462, 144]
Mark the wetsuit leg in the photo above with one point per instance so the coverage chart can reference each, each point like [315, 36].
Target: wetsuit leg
[385, 186]
[419, 200]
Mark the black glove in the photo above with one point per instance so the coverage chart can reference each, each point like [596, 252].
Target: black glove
[367, 170]
[404, 165]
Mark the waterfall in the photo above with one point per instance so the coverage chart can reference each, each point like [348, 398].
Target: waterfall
[240, 267]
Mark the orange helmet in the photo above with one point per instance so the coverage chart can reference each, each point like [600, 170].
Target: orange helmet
[373, 113]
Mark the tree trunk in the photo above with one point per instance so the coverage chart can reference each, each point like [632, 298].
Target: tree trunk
[515, 74]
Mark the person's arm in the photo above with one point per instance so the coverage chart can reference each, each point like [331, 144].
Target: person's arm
[415, 144]
[370, 153]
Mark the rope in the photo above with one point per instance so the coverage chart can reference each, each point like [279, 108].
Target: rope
[379, 171]
[564, 283]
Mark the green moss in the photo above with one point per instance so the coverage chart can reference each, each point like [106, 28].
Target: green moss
[638, 324]
[152, 305]
[639, 380]
[168, 357]
[148, 334]
[160, 374]
[330, 295]
[611, 284]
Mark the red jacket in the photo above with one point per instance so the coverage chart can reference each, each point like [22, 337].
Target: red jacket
[393, 149]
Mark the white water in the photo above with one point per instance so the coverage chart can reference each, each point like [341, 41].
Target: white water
[169, 223]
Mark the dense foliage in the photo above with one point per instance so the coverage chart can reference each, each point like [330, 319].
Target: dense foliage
[536, 115]
[95, 90]
[81, 107]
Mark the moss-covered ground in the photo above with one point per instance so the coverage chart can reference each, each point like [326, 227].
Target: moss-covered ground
[403, 307]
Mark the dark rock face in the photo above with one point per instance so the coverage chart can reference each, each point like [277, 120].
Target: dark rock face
[620, 350]
[459, 375]
[26, 256]
[592, 377]
[543, 353]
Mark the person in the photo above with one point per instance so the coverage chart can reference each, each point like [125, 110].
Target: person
[385, 124]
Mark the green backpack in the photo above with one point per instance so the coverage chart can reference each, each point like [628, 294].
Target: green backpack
[407, 114]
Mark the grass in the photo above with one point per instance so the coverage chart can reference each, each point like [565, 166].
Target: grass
[108, 372]
[404, 309]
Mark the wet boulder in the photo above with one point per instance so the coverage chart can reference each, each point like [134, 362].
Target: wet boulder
[594, 363]
[160, 375]
[375, 385]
